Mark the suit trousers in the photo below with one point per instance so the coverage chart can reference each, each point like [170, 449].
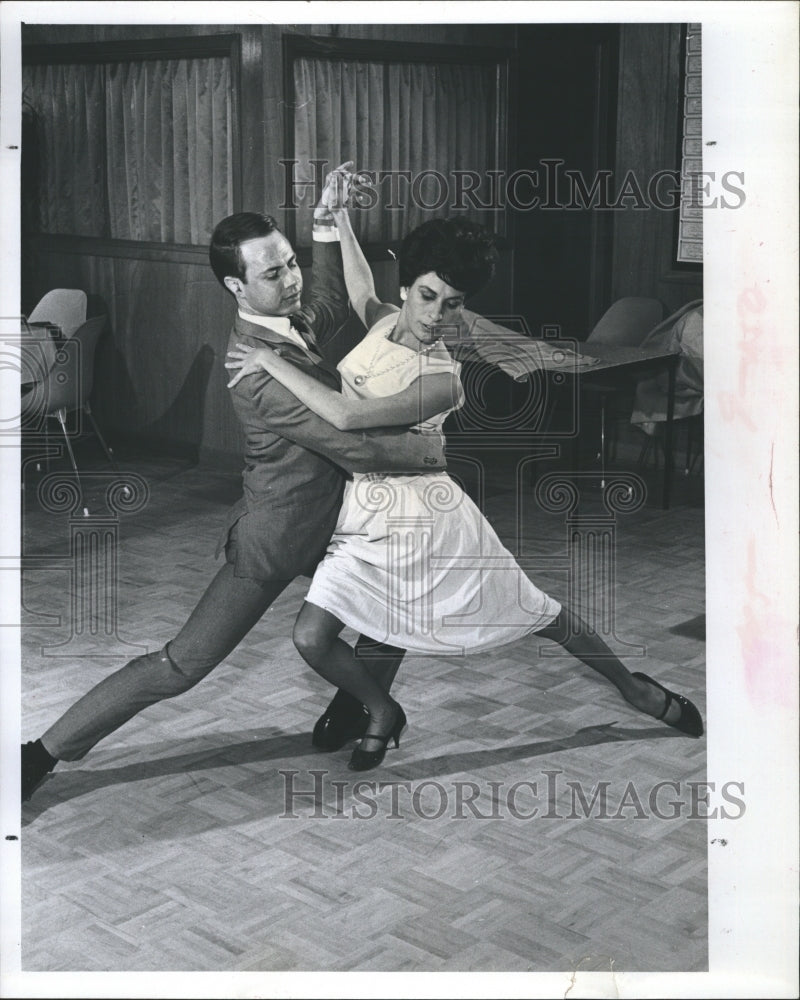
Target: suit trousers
[227, 611]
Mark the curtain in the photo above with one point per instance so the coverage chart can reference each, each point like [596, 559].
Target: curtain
[425, 119]
[135, 150]
[68, 106]
[169, 149]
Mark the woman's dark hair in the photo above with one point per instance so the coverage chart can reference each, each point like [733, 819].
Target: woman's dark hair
[461, 252]
[224, 253]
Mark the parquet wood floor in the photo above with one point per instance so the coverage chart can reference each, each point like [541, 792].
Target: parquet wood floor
[176, 844]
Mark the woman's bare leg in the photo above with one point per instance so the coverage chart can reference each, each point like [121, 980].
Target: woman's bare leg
[316, 636]
[380, 659]
[571, 632]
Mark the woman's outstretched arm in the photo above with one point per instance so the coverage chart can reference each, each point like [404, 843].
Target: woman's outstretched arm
[357, 272]
[424, 398]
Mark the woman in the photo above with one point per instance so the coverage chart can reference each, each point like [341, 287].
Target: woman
[413, 553]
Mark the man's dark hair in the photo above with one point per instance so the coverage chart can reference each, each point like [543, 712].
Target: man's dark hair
[225, 253]
[461, 252]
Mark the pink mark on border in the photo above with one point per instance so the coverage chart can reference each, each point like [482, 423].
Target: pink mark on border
[769, 665]
[750, 304]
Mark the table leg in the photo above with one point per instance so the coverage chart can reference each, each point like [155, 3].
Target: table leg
[668, 433]
[545, 425]
[575, 443]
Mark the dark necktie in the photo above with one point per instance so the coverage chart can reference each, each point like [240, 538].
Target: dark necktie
[301, 328]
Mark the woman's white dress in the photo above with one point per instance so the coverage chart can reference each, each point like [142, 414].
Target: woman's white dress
[412, 561]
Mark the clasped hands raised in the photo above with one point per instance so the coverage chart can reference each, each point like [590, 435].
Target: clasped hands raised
[340, 190]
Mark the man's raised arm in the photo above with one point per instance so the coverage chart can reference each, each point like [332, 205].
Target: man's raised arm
[328, 306]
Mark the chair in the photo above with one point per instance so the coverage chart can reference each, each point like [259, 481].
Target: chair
[626, 323]
[682, 332]
[63, 307]
[694, 442]
[67, 387]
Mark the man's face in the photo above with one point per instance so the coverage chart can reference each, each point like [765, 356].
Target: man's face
[272, 280]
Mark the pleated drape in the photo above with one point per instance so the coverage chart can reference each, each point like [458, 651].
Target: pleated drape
[135, 150]
[425, 119]
[69, 103]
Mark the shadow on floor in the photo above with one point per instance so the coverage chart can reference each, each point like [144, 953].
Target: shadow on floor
[694, 628]
[255, 748]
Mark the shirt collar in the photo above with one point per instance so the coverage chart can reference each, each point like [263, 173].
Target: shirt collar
[281, 325]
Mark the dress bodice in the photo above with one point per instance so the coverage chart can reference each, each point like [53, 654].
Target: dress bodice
[378, 367]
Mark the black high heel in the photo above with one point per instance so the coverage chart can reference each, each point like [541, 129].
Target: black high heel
[364, 760]
[689, 721]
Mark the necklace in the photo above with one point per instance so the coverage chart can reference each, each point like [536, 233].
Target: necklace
[359, 380]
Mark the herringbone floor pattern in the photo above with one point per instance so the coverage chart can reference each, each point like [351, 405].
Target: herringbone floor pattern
[208, 835]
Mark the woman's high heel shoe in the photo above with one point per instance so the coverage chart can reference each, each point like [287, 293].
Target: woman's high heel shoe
[365, 760]
[689, 721]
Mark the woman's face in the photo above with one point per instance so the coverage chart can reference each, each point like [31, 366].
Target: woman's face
[429, 303]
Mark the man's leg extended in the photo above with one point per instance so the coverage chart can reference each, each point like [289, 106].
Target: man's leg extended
[227, 611]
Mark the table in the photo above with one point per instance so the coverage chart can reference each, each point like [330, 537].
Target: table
[631, 363]
[582, 363]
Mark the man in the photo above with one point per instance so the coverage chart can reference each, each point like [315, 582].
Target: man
[292, 492]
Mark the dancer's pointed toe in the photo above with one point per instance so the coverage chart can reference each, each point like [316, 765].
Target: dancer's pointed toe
[689, 720]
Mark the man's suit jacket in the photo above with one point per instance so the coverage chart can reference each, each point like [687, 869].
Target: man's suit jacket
[294, 459]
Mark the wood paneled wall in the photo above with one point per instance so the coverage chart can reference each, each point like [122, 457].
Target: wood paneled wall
[567, 106]
[159, 371]
[648, 141]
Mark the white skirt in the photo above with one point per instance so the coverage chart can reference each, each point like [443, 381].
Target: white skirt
[415, 564]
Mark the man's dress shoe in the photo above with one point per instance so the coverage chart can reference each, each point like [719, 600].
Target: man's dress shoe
[338, 726]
